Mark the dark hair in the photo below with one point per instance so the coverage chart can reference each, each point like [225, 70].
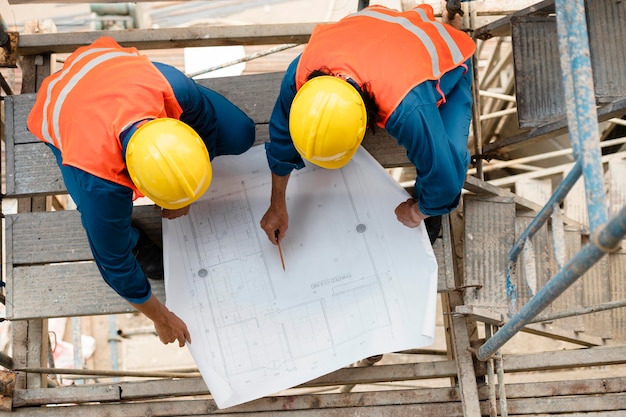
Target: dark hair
[371, 107]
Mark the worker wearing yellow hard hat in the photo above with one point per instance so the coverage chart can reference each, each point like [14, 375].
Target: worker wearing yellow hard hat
[403, 72]
[123, 127]
[169, 163]
[327, 121]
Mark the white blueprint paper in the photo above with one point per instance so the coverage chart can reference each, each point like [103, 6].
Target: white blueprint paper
[357, 282]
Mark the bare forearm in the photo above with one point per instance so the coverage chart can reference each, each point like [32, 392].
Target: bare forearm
[279, 189]
[276, 219]
[168, 325]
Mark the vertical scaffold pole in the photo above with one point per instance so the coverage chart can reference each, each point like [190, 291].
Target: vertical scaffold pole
[582, 117]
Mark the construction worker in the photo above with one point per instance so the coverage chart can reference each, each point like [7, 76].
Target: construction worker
[122, 127]
[404, 72]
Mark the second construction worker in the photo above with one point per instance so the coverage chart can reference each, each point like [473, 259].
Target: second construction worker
[403, 72]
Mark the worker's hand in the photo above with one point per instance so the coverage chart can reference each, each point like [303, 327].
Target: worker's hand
[168, 325]
[172, 214]
[409, 214]
[452, 13]
[171, 328]
[275, 222]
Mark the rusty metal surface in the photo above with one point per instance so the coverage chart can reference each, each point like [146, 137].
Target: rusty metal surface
[605, 21]
[617, 273]
[538, 76]
[533, 275]
[596, 286]
[538, 79]
[489, 234]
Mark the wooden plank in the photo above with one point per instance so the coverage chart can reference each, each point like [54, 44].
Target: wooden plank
[64, 290]
[460, 347]
[66, 395]
[590, 403]
[562, 388]
[540, 329]
[564, 359]
[202, 407]
[73, 285]
[152, 389]
[170, 38]
[373, 374]
[58, 236]
[208, 407]
[501, 27]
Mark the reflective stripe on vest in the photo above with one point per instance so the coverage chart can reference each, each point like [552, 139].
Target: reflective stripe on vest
[423, 37]
[55, 139]
[390, 52]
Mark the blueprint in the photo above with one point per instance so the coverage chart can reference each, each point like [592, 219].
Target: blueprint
[356, 282]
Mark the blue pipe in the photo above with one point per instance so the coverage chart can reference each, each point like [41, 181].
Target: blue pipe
[606, 239]
[534, 226]
[580, 101]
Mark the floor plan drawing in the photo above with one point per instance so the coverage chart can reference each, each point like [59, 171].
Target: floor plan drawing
[356, 282]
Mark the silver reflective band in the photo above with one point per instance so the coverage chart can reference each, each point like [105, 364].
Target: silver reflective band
[58, 104]
[406, 24]
[457, 56]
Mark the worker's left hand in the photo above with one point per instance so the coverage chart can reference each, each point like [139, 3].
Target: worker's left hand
[172, 214]
[409, 214]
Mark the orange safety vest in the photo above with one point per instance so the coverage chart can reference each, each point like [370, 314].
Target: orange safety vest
[101, 90]
[392, 51]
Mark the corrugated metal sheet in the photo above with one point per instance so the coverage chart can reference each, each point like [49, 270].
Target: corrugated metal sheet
[572, 297]
[607, 47]
[489, 235]
[538, 79]
[596, 285]
[617, 272]
[532, 276]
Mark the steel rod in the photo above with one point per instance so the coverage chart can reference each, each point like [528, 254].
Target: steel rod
[582, 115]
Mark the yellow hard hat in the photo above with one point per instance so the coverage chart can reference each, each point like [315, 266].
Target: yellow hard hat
[169, 163]
[327, 121]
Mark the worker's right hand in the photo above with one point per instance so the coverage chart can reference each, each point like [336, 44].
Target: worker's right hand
[275, 222]
[174, 214]
[170, 328]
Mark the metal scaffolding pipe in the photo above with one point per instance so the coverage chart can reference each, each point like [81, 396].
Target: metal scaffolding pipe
[582, 116]
[604, 240]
